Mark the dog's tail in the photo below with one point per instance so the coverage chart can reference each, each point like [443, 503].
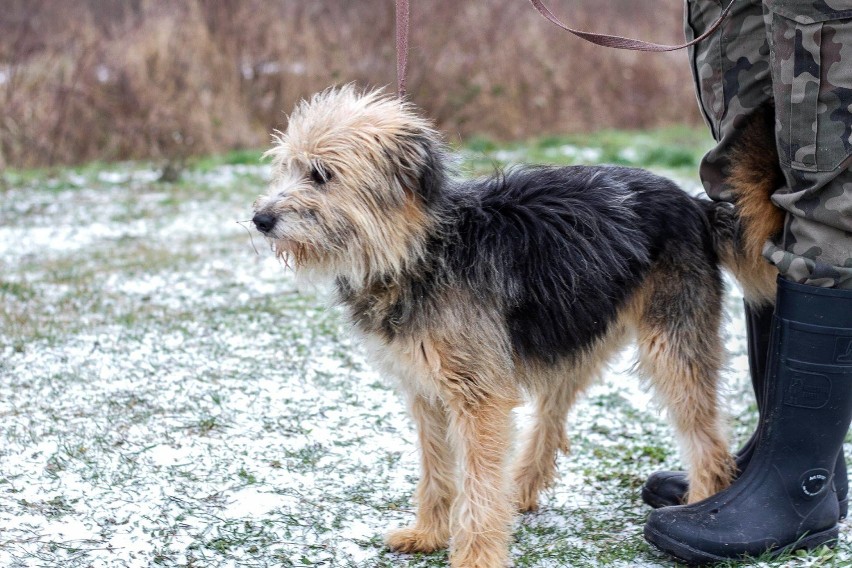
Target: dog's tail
[740, 232]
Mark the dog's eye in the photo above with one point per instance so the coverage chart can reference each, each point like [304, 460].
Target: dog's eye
[320, 176]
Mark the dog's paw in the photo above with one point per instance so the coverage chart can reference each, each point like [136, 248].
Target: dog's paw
[481, 556]
[412, 539]
[527, 501]
[527, 488]
[707, 481]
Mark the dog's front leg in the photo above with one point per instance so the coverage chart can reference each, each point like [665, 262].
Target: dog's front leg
[482, 513]
[437, 488]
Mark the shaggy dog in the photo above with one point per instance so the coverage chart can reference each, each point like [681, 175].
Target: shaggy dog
[476, 294]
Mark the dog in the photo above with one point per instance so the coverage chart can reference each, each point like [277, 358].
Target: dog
[476, 295]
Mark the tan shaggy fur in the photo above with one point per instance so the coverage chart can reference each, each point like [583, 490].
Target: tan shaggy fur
[754, 176]
[458, 370]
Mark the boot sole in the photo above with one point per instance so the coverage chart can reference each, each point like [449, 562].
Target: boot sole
[654, 501]
[694, 557]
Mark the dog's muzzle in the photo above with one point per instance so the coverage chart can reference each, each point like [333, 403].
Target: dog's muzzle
[264, 222]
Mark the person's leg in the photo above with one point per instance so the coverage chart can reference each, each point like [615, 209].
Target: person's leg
[812, 83]
[786, 498]
[732, 79]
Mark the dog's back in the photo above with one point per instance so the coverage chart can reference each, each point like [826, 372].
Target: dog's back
[565, 248]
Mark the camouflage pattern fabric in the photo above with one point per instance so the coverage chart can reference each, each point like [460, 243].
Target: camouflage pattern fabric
[800, 54]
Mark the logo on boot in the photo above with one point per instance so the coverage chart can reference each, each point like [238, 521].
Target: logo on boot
[814, 482]
[808, 390]
[843, 350]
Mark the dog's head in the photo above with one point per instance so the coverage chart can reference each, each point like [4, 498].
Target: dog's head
[355, 178]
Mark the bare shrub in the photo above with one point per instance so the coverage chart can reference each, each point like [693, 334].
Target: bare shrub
[82, 80]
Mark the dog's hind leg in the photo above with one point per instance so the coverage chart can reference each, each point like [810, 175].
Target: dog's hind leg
[437, 487]
[681, 350]
[535, 465]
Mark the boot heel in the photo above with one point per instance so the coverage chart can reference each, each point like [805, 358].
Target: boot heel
[823, 538]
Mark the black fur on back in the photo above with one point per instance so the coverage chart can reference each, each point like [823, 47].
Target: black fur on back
[558, 249]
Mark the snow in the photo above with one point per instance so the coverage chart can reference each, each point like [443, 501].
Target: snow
[581, 154]
[171, 398]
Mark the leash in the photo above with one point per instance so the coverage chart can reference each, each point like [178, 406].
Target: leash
[401, 46]
[619, 42]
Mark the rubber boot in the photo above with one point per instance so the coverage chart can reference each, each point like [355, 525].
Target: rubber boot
[668, 488]
[785, 499]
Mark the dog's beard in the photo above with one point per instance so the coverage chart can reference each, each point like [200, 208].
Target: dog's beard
[307, 260]
[293, 253]
[316, 265]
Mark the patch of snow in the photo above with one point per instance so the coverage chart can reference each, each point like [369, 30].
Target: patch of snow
[204, 413]
[629, 154]
[581, 154]
[511, 156]
[249, 502]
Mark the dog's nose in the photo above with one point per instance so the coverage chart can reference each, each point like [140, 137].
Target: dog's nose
[264, 222]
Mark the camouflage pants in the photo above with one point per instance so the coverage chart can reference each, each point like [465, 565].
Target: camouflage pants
[799, 53]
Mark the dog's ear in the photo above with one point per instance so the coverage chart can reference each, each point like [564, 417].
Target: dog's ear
[430, 168]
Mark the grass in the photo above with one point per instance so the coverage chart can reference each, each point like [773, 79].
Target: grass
[674, 149]
[173, 399]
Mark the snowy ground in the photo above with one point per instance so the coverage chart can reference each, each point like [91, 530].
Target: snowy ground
[170, 398]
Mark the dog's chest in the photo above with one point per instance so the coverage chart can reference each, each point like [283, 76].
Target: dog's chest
[387, 321]
[410, 362]
[388, 311]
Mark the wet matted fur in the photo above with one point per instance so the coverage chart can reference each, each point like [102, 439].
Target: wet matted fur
[476, 294]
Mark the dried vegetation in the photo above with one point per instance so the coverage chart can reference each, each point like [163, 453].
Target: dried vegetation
[84, 80]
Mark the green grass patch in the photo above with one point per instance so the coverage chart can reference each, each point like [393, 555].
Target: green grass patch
[676, 148]
[250, 156]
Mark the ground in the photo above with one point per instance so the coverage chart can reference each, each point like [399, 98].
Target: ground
[171, 397]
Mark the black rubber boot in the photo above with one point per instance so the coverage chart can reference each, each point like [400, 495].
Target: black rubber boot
[668, 488]
[785, 499]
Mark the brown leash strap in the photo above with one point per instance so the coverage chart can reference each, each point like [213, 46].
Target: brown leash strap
[619, 42]
[401, 45]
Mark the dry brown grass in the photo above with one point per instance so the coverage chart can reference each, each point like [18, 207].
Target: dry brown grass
[85, 80]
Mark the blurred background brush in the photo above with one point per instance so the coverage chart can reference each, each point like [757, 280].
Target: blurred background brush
[84, 80]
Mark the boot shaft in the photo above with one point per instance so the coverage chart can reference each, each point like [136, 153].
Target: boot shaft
[808, 390]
